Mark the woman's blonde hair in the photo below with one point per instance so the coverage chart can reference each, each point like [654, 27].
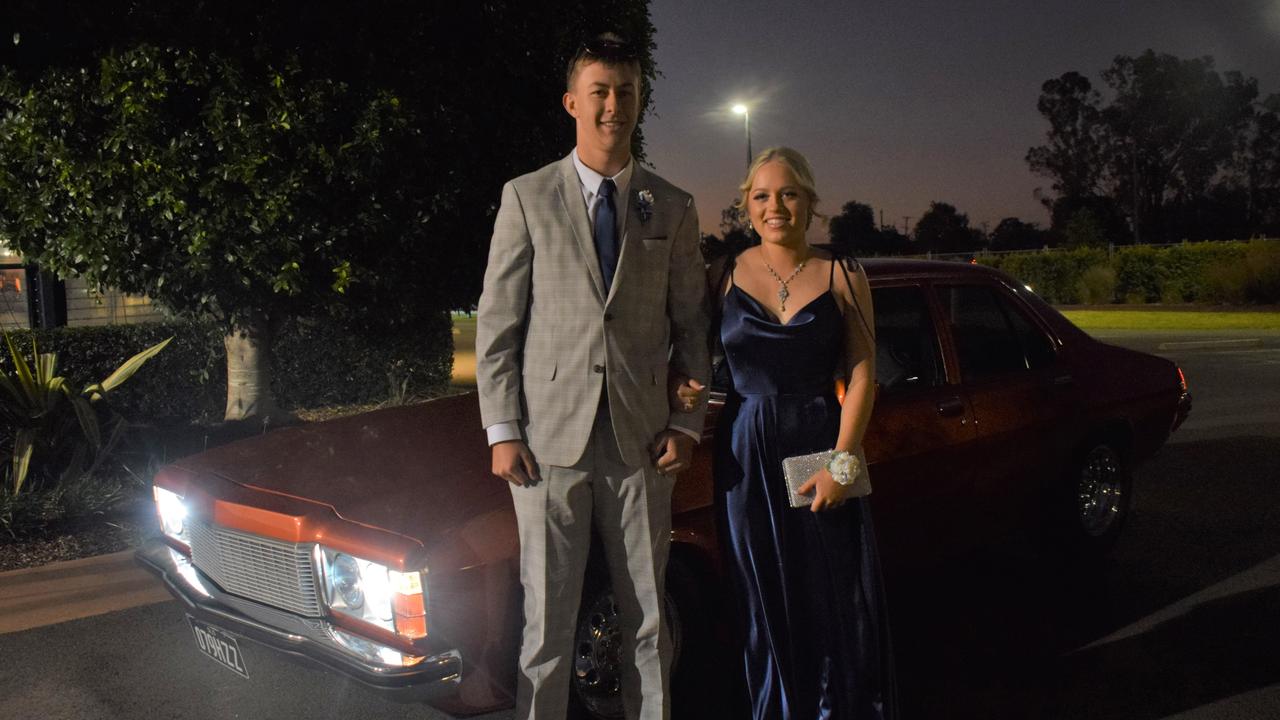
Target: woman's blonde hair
[798, 166]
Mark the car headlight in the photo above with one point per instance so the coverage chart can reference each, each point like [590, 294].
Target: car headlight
[373, 593]
[344, 582]
[173, 514]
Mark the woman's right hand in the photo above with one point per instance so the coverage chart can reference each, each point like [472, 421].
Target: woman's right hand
[685, 392]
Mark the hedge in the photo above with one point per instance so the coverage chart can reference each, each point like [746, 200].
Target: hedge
[1206, 272]
[315, 364]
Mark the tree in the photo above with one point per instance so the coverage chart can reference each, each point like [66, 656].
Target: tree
[1014, 234]
[854, 229]
[218, 193]
[1157, 150]
[1085, 230]
[736, 233]
[271, 160]
[1255, 173]
[1174, 124]
[1106, 212]
[893, 241]
[1075, 155]
[944, 230]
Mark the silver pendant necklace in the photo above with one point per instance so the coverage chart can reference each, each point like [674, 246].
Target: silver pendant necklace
[783, 292]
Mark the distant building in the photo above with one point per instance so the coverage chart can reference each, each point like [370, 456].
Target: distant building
[30, 298]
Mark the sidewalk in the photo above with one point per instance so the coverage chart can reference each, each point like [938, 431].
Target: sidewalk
[62, 591]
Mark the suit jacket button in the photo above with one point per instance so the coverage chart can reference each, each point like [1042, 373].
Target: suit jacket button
[608, 317]
[598, 368]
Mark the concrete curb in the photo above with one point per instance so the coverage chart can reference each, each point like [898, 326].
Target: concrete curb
[73, 589]
[1217, 344]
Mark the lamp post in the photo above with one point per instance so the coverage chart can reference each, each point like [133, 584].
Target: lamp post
[742, 110]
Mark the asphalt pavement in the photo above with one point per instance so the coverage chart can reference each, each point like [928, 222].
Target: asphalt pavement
[1178, 623]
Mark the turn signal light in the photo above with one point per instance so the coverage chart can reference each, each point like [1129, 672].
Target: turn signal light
[409, 604]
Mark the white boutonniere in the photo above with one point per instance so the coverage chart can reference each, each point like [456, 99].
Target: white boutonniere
[644, 205]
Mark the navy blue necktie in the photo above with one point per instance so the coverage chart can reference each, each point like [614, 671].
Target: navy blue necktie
[606, 232]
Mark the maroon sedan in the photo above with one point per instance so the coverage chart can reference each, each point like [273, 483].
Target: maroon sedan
[379, 546]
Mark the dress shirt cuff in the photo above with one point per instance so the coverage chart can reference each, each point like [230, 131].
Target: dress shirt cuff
[503, 432]
[697, 437]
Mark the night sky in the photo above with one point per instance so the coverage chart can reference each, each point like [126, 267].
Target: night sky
[897, 104]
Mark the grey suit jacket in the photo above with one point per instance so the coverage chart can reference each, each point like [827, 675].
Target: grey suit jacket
[547, 337]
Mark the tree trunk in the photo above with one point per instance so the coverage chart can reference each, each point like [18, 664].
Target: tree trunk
[249, 372]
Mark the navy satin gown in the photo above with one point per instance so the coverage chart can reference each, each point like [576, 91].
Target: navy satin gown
[815, 631]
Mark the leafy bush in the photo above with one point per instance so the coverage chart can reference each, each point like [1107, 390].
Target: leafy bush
[319, 363]
[315, 363]
[1185, 266]
[1097, 285]
[1138, 274]
[185, 382]
[1253, 278]
[30, 514]
[1232, 272]
[1054, 275]
[49, 423]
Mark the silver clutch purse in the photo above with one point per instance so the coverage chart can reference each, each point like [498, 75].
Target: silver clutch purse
[798, 469]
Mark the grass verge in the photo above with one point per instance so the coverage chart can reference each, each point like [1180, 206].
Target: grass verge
[1173, 320]
[464, 351]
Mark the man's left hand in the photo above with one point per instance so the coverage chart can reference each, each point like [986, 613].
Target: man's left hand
[672, 451]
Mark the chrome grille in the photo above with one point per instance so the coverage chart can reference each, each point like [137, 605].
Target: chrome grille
[268, 571]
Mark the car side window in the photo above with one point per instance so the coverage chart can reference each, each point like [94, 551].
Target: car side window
[1037, 347]
[991, 336]
[907, 354]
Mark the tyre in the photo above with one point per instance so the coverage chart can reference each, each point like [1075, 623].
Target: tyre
[1090, 507]
[596, 676]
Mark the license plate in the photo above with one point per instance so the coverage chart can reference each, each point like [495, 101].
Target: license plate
[219, 645]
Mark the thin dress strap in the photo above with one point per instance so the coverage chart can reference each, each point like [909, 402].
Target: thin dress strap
[831, 276]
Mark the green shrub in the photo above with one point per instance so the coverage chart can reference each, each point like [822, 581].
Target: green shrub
[1222, 272]
[1252, 278]
[1054, 275]
[318, 363]
[1262, 259]
[51, 427]
[185, 382]
[31, 514]
[315, 363]
[1138, 274]
[1184, 267]
[1097, 285]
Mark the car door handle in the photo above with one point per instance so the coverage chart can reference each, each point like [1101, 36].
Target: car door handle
[950, 407]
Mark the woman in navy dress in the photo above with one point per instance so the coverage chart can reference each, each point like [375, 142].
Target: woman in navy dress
[794, 318]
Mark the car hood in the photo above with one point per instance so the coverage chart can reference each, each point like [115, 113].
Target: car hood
[419, 471]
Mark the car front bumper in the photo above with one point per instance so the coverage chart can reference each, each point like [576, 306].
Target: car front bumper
[309, 640]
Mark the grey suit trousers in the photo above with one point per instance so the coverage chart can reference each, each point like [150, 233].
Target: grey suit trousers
[631, 509]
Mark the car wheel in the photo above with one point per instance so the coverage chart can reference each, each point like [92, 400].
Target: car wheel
[1094, 502]
[597, 647]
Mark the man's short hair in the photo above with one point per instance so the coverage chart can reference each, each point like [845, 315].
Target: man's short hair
[608, 48]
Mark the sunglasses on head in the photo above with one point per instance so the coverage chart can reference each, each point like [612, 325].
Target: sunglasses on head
[611, 50]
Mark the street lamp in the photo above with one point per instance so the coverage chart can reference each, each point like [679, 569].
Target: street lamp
[742, 110]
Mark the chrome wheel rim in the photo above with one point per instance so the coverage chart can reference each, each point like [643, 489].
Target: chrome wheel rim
[1100, 492]
[597, 659]
[597, 655]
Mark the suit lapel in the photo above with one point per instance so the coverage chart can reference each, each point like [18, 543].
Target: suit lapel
[630, 221]
[575, 208]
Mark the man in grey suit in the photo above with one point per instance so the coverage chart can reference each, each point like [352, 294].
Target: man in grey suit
[594, 291]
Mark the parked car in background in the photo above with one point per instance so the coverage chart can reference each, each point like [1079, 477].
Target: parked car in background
[379, 546]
